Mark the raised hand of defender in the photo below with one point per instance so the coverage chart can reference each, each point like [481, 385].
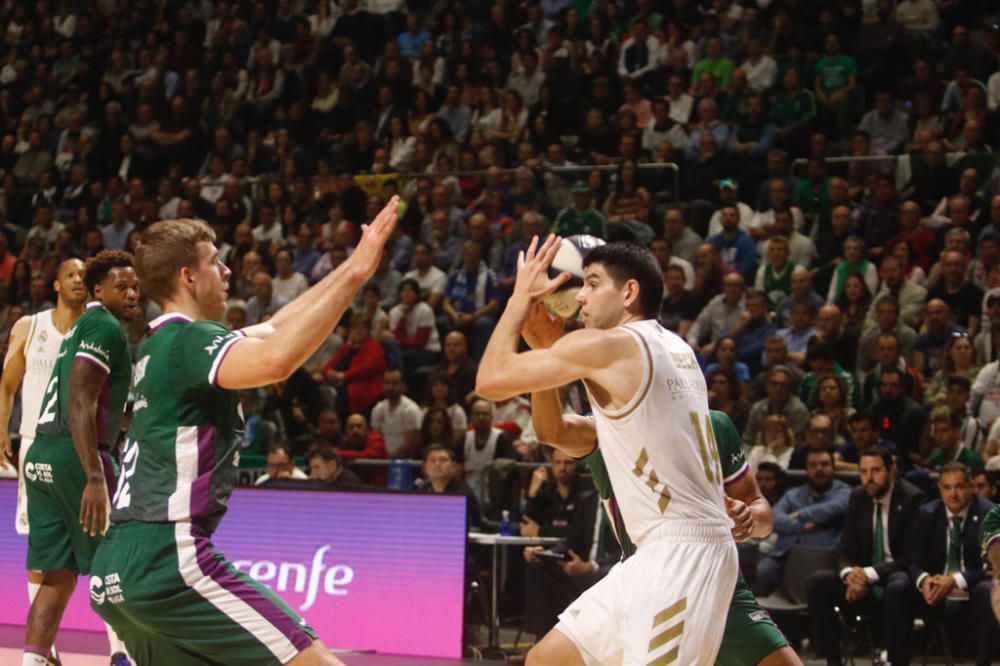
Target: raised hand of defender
[374, 236]
[94, 508]
[533, 282]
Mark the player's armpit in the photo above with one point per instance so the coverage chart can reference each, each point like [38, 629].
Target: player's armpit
[578, 355]
[249, 363]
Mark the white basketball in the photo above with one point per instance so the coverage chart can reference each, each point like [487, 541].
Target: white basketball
[569, 259]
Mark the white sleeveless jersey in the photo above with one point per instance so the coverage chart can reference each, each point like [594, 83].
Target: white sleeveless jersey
[41, 348]
[660, 447]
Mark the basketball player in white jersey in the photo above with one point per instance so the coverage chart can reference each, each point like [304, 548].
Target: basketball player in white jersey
[668, 603]
[31, 355]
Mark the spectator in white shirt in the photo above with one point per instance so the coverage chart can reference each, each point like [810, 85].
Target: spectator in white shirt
[640, 54]
[431, 279]
[760, 68]
[268, 230]
[412, 325]
[397, 417]
[288, 285]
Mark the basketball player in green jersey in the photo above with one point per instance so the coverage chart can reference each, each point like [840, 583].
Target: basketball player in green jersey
[989, 537]
[68, 471]
[157, 578]
[750, 637]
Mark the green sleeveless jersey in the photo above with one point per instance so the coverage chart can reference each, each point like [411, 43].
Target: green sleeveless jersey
[182, 450]
[734, 465]
[97, 338]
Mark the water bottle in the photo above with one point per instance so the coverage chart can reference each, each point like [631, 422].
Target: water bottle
[505, 529]
[400, 475]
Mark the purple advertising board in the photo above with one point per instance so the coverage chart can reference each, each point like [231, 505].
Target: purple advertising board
[370, 571]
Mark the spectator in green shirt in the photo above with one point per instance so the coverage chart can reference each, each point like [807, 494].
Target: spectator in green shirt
[812, 193]
[945, 430]
[836, 80]
[714, 62]
[792, 111]
[581, 217]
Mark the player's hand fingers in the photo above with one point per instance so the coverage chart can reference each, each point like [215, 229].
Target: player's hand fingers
[550, 249]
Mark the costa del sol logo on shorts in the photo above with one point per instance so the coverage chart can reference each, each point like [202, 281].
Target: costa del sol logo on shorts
[40, 472]
[97, 594]
[758, 616]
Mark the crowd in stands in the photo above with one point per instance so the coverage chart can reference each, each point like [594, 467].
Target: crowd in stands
[816, 178]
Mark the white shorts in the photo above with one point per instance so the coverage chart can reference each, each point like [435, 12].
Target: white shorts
[667, 604]
[21, 517]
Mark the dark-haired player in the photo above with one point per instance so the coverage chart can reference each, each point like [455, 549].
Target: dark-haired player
[664, 604]
[67, 471]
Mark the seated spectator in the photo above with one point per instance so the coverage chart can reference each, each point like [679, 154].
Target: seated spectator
[775, 444]
[887, 323]
[551, 585]
[886, 124]
[831, 400]
[872, 562]
[360, 443]
[724, 395]
[972, 434]
[863, 436]
[413, 327]
[629, 202]
[985, 270]
[280, 465]
[888, 355]
[679, 308]
[811, 514]
[818, 436]
[684, 241]
[959, 358]
[357, 369]
[582, 217]
[774, 276]
[431, 279]
[963, 299]
[719, 317]
[799, 332]
[725, 361]
[444, 477]
[328, 431]
[985, 484]
[852, 263]
[435, 428]
[771, 481]
[459, 369]
[264, 302]
[831, 328]
[327, 467]
[939, 329]
[911, 296]
[900, 419]
[946, 564]
[552, 497]
[472, 298]
[854, 303]
[801, 292]
[397, 417]
[480, 446]
[945, 428]
[821, 361]
[288, 284]
[752, 331]
[779, 400]
[729, 195]
[735, 245]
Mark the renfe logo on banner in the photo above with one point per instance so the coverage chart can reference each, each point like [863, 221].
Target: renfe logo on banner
[372, 571]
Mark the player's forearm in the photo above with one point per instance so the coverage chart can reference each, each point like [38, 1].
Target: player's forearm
[6, 404]
[294, 311]
[495, 365]
[550, 427]
[293, 344]
[83, 427]
[763, 520]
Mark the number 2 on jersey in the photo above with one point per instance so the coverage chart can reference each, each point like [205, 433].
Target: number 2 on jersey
[710, 453]
[49, 411]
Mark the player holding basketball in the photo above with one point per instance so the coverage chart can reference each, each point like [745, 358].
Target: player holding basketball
[661, 606]
[157, 578]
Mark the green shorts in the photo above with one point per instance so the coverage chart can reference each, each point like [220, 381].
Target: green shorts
[174, 599]
[54, 482]
[751, 634]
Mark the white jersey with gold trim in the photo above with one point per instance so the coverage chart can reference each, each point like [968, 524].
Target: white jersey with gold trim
[41, 348]
[659, 447]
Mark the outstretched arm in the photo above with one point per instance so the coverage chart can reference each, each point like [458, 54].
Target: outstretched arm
[302, 326]
[13, 373]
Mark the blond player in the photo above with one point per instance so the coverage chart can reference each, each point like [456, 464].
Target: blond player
[667, 604]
